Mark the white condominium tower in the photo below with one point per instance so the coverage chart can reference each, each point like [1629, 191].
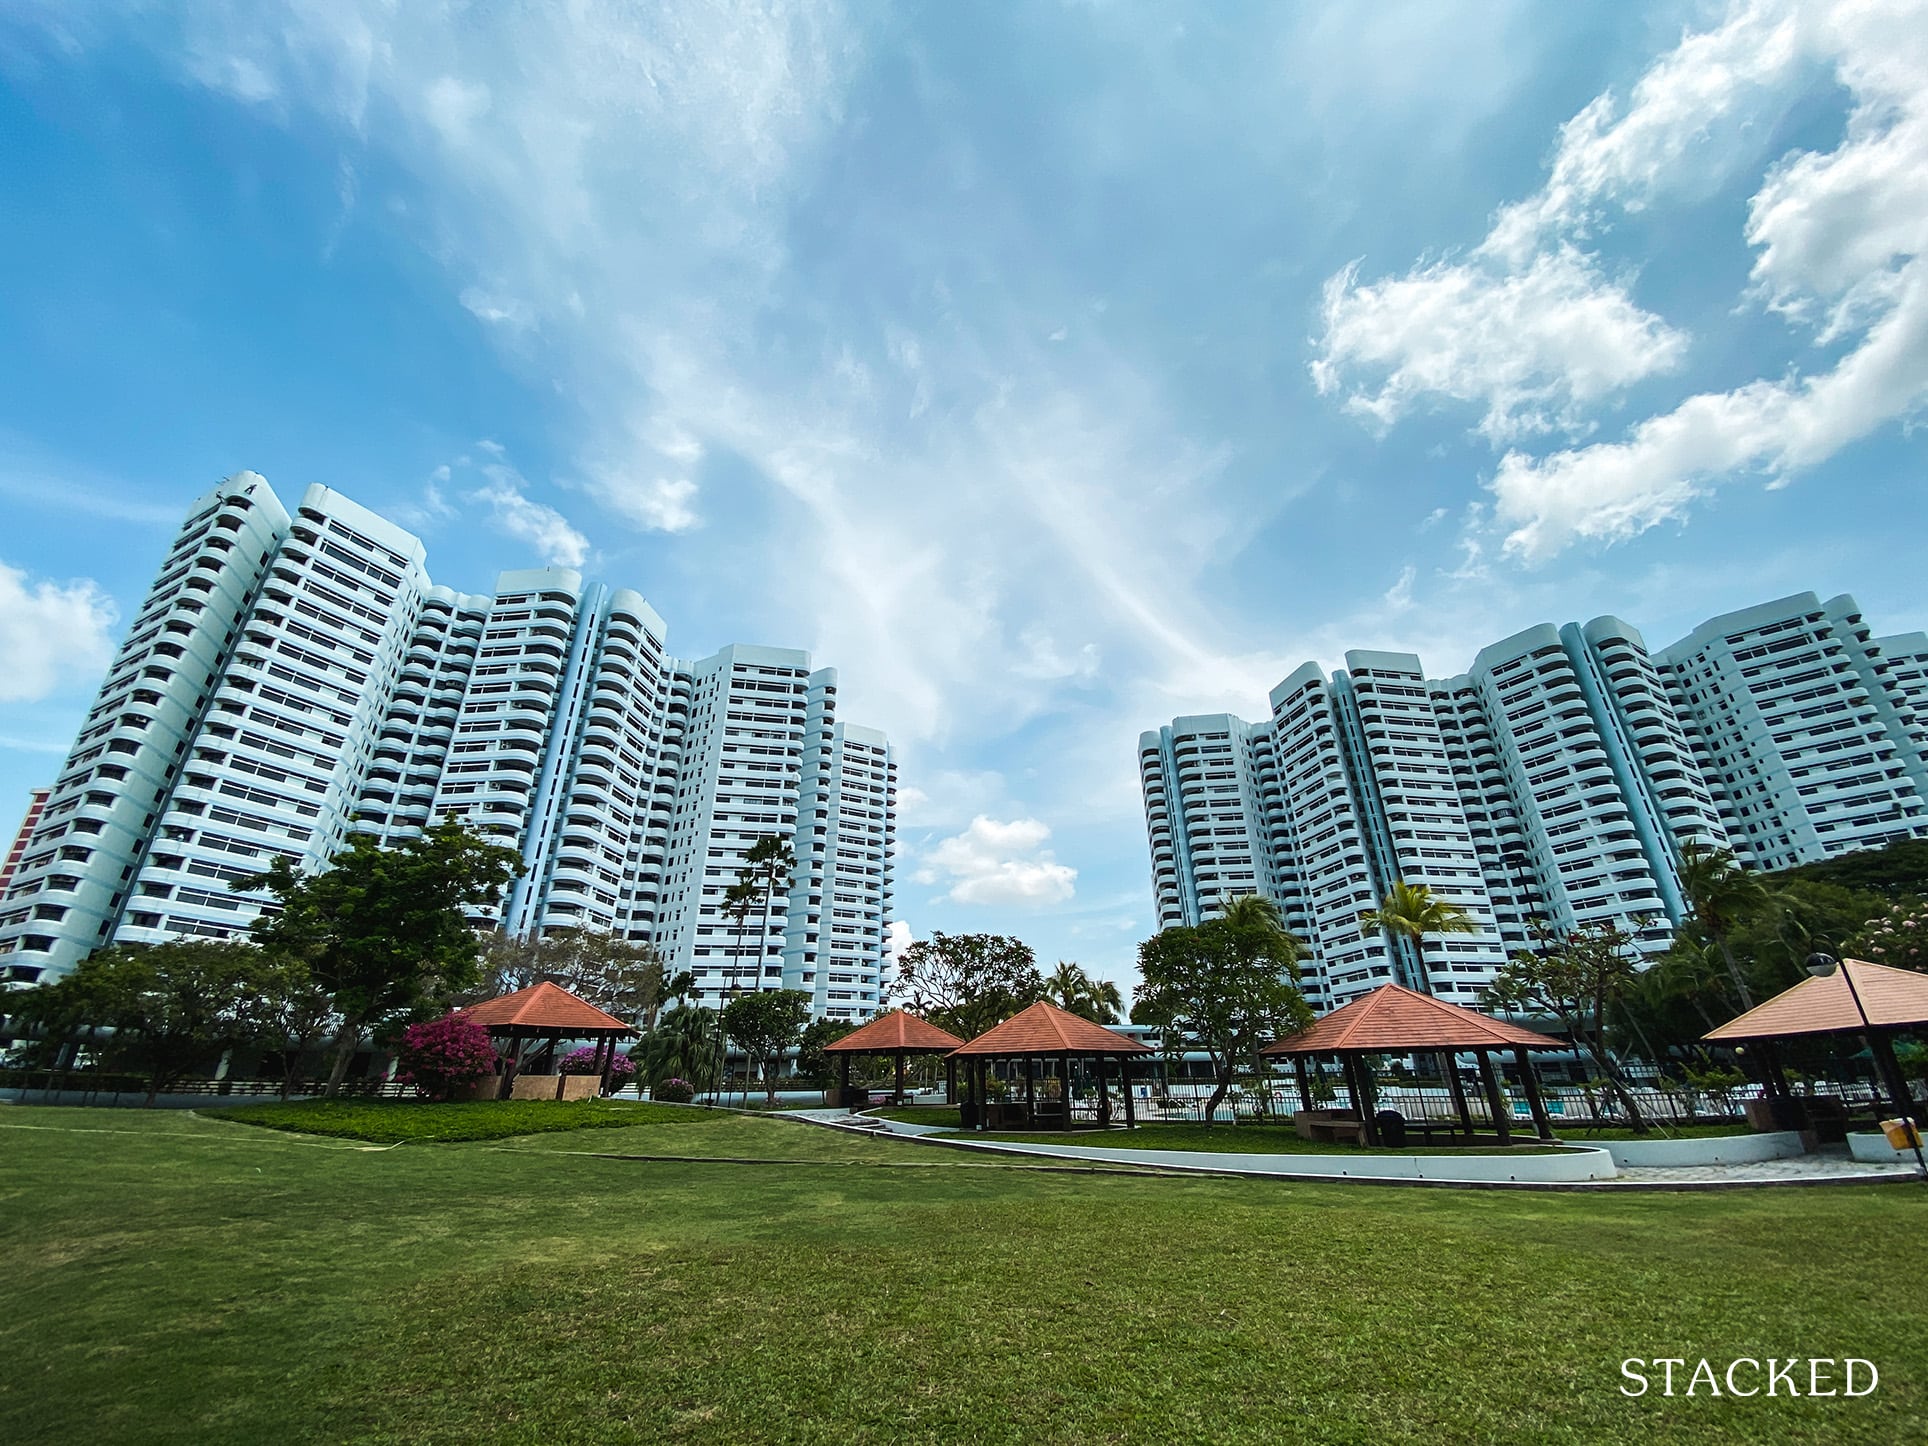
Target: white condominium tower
[1554, 780]
[293, 680]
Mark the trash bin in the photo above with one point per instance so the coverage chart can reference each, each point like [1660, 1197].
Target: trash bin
[1391, 1127]
[1901, 1133]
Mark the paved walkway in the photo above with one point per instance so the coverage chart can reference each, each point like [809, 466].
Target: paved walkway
[1801, 1170]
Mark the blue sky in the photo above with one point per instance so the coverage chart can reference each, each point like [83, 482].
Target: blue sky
[1050, 369]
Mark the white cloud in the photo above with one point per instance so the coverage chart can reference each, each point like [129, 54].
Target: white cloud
[999, 863]
[556, 541]
[1530, 327]
[1538, 348]
[50, 634]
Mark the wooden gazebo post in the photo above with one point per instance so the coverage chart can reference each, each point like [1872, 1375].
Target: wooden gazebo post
[1300, 1074]
[1531, 1083]
[1457, 1088]
[1495, 1097]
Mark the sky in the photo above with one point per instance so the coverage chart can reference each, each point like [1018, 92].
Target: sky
[1049, 369]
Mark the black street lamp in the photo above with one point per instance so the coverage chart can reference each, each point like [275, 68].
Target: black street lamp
[1820, 966]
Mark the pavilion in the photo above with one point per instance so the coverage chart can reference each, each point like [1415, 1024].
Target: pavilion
[1043, 1031]
[1396, 1020]
[898, 1035]
[1875, 1001]
[545, 1014]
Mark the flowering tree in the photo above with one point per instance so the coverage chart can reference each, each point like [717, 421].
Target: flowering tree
[442, 1053]
[1898, 938]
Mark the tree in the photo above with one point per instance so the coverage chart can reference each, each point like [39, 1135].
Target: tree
[1076, 992]
[682, 1046]
[739, 901]
[769, 863]
[813, 1063]
[1224, 987]
[765, 1024]
[383, 929]
[1415, 912]
[1720, 894]
[1579, 979]
[1898, 871]
[968, 982]
[623, 977]
[291, 1014]
[171, 1006]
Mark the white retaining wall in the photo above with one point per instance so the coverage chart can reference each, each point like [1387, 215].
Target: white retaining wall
[1706, 1150]
[1576, 1163]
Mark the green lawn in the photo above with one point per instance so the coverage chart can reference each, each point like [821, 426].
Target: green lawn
[390, 1122]
[176, 1278]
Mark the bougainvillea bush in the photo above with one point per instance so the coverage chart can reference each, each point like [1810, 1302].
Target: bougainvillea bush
[1898, 937]
[674, 1092]
[442, 1054]
[583, 1061]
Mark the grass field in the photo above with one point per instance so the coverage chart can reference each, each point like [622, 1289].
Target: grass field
[175, 1278]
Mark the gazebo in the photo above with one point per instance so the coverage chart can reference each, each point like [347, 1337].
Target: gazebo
[547, 1013]
[898, 1034]
[1875, 1001]
[1396, 1020]
[1043, 1031]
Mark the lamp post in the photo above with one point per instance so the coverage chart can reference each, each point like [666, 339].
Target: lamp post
[1820, 966]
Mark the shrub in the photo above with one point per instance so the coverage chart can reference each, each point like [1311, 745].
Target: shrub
[583, 1061]
[674, 1092]
[443, 1053]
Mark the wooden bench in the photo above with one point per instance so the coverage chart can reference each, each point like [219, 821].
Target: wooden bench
[1328, 1127]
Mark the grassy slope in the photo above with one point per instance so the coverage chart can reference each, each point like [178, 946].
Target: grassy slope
[390, 1122]
[175, 1279]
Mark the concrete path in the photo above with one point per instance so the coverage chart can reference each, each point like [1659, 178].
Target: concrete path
[1801, 1170]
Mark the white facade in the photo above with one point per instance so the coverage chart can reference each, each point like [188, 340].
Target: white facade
[1555, 780]
[294, 680]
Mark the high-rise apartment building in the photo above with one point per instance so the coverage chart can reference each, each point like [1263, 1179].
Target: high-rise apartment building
[292, 680]
[1554, 780]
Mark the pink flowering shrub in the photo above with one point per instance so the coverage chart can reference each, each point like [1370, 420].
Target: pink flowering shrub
[674, 1092]
[443, 1053]
[1898, 938]
[583, 1061]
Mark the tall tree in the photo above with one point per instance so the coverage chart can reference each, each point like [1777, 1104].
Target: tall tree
[1414, 912]
[1720, 896]
[770, 863]
[382, 929]
[968, 982]
[813, 1062]
[740, 901]
[1580, 979]
[766, 1024]
[1224, 987]
[291, 1014]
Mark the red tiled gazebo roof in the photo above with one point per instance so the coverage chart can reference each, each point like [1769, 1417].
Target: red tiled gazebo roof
[1043, 1028]
[899, 1032]
[1892, 998]
[545, 1008]
[1393, 1019]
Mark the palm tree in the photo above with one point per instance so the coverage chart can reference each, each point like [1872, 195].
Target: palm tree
[1719, 894]
[738, 900]
[1415, 912]
[768, 865]
[1076, 992]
